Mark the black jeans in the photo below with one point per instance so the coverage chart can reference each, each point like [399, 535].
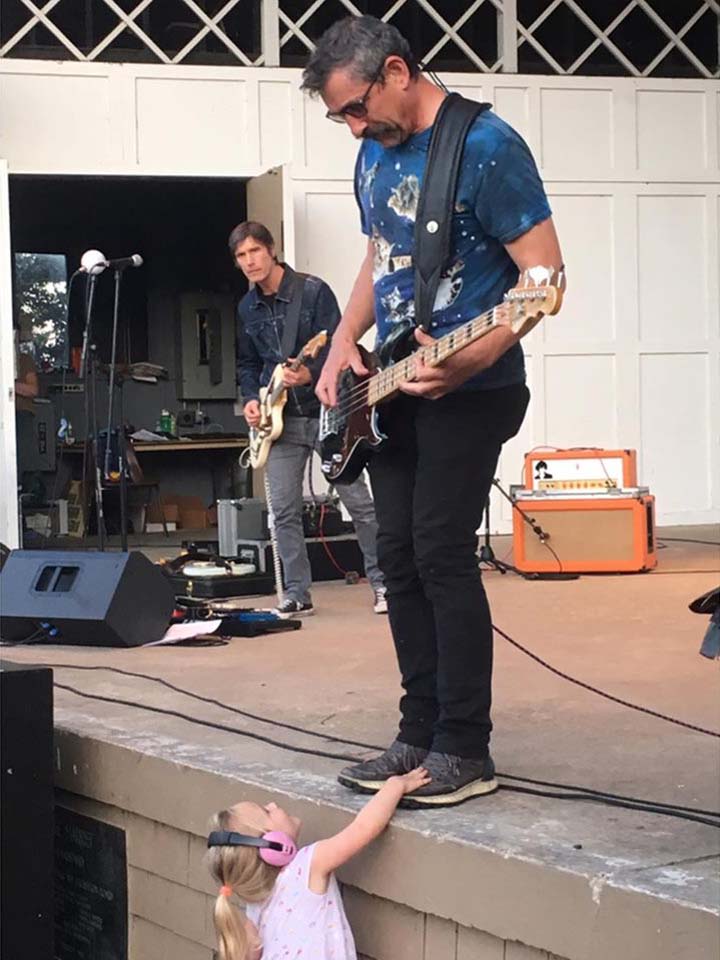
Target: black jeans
[431, 482]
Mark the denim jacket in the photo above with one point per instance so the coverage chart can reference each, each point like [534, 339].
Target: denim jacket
[259, 338]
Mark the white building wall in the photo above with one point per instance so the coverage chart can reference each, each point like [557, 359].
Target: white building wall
[632, 168]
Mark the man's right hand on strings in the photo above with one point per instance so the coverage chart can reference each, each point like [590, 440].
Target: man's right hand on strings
[343, 354]
[251, 412]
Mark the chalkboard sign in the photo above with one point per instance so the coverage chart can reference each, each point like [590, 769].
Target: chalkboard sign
[90, 889]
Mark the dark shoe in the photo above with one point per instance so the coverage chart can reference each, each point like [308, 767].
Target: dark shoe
[293, 608]
[369, 776]
[454, 780]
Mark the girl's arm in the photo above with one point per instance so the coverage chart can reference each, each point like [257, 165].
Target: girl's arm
[330, 854]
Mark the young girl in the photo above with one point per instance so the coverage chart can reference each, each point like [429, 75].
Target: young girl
[294, 909]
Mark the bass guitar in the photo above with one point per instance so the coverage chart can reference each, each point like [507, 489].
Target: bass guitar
[350, 431]
[273, 398]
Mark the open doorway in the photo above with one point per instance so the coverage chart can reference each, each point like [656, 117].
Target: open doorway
[176, 314]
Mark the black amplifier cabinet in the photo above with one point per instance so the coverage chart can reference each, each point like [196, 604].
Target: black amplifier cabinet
[97, 599]
[26, 812]
[333, 557]
[330, 558]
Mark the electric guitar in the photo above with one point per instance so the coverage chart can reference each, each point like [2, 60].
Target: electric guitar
[350, 432]
[273, 398]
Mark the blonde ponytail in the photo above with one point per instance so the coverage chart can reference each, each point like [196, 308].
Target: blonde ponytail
[230, 929]
[241, 870]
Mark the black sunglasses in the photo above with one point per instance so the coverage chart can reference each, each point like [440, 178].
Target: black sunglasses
[357, 109]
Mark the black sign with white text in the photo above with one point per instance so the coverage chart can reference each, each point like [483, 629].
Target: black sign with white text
[90, 889]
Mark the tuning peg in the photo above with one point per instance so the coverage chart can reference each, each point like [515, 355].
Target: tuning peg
[541, 276]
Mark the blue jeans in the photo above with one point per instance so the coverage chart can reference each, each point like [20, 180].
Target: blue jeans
[285, 468]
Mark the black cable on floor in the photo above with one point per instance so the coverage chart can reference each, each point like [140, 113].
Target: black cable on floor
[604, 794]
[601, 693]
[615, 803]
[706, 543]
[348, 758]
[219, 703]
[359, 743]
[648, 807]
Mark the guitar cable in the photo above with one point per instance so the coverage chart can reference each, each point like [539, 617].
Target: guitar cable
[697, 815]
[708, 817]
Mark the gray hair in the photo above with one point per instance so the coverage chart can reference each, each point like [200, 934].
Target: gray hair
[361, 44]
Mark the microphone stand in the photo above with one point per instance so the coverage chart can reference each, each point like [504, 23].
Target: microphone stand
[121, 428]
[487, 554]
[88, 371]
[89, 297]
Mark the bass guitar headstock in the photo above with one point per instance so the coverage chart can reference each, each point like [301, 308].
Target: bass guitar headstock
[539, 293]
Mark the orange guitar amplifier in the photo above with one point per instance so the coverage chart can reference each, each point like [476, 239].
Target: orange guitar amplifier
[604, 533]
[580, 470]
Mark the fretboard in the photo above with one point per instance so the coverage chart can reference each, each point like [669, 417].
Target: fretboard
[387, 382]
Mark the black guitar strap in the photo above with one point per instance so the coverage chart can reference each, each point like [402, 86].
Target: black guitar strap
[288, 343]
[433, 221]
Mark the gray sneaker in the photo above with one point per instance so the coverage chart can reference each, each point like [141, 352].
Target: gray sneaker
[369, 776]
[454, 780]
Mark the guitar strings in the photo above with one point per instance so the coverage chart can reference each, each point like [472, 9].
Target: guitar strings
[357, 397]
[348, 402]
[364, 386]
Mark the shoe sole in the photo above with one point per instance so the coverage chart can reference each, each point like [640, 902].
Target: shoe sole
[361, 786]
[295, 614]
[478, 788]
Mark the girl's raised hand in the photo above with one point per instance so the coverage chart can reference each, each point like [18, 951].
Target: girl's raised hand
[414, 779]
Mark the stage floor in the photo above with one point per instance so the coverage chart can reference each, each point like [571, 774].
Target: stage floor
[631, 636]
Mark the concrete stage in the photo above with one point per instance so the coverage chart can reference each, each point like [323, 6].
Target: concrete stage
[507, 877]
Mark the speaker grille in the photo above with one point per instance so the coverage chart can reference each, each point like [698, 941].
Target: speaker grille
[55, 579]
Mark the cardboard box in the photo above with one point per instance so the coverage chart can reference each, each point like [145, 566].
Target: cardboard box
[193, 519]
[191, 512]
[187, 512]
[170, 509]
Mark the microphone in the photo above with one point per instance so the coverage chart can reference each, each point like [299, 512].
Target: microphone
[93, 262]
[121, 262]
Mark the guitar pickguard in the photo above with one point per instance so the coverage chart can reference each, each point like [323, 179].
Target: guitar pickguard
[350, 431]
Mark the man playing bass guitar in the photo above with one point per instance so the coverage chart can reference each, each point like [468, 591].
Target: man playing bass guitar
[265, 316]
[445, 428]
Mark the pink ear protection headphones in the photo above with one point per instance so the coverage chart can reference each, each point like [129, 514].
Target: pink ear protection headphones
[275, 847]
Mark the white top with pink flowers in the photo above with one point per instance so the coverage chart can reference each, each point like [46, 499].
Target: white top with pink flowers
[296, 924]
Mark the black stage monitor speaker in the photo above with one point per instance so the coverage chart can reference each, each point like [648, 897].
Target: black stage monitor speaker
[26, 812]
[95, 599]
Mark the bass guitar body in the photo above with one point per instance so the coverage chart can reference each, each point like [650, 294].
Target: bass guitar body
[351, 431]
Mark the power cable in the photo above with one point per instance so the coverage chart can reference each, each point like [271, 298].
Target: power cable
[208, 723]
[598, 794]
[706, 543]
[648, 807]
[219, 703]
[601, 693]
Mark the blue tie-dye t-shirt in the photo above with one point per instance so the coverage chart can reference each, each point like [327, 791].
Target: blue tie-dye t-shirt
[499, 197]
